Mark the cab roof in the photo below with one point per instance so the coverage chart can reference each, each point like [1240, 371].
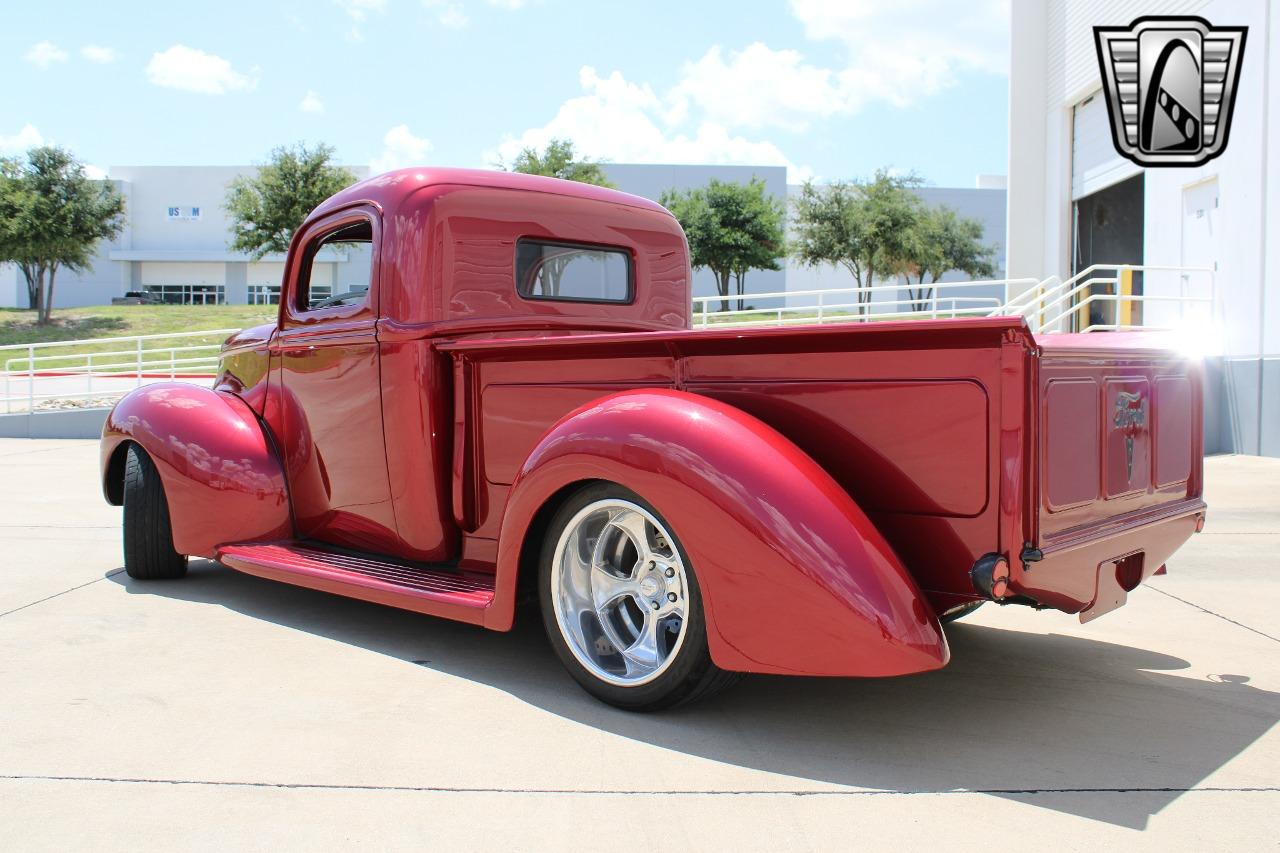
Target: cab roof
[390, 189]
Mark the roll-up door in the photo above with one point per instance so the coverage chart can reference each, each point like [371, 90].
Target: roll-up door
[1094, 161]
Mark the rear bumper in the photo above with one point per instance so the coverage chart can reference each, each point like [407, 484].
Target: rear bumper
[1093, 573]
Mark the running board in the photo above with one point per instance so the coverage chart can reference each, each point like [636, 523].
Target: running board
[436, 591]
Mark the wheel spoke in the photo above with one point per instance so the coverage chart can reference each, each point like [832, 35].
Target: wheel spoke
[644, 655]
[607, 588]
[577, 573]
[634, 525]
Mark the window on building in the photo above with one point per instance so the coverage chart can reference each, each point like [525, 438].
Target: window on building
[269, 294]
[573, 273]
[340, 268]
[188, 294]
[264, 294]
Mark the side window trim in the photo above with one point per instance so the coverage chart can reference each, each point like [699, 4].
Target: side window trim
[298, 272]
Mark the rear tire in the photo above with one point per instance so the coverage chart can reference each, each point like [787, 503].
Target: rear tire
[635, 635]
[148, 536]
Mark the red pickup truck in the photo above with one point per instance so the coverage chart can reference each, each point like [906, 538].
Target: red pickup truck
[503, 401]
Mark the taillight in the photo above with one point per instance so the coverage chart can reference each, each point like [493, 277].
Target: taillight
[990, 576]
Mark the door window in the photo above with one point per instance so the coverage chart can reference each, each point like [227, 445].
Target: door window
[338, 268]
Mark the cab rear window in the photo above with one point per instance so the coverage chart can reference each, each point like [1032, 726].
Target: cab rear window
[572, 272]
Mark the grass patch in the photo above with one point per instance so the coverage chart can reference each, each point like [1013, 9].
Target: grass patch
[18, 326]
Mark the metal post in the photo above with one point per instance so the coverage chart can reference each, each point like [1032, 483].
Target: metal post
[139, 365]
[89, 363]
[172, 366]
[31, 379]
[1124, 288]
[821, 303]
[1082, 309]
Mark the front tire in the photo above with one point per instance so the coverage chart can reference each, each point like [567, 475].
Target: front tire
[148, 536]
[621, 603]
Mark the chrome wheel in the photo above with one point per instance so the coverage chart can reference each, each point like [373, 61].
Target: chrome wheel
[620, 592]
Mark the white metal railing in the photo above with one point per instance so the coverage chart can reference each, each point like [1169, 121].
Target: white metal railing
[99, 368]
[1051, 305]
[1054, 305]
[941, 302]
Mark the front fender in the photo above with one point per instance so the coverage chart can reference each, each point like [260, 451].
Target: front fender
[222, 479]
[794, 577]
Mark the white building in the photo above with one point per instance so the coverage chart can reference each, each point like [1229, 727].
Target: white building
[1073, 201]
[173, 245]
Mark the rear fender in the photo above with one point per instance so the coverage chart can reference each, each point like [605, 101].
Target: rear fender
[221, 476]
[795, 579]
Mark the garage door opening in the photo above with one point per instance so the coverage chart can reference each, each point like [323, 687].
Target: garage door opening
[1107, 229]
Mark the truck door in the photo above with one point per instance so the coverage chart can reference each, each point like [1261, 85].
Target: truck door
[334, 453]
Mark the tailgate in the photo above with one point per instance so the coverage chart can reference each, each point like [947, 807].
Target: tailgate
[1120, 431]
[1119, 427]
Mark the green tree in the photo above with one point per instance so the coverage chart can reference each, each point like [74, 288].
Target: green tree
[15, 204]
[731, 228]
[52, 216]
[559, 161]
[268, 207]
[943, 241]
[863, 226]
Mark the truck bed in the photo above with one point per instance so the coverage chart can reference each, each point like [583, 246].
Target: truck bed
[946, 433]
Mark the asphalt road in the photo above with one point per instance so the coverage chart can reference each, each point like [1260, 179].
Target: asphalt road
[227, 712]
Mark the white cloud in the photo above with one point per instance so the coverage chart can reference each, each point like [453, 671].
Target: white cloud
[311, 103]
[400, 148]
[98, 54]
[448, 14]
[359, 10]
[908, 48]
[191, 70]
[624, 122]
[508, 4]
[757, 87]
[44, 54]
[94, 173]
[897, 52]
[21, 141]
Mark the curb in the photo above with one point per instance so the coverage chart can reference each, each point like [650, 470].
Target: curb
[67, 423]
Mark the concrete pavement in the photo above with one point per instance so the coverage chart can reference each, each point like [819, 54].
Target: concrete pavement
[224, 711]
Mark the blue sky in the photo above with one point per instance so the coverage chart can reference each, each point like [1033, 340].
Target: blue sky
[830, 88]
